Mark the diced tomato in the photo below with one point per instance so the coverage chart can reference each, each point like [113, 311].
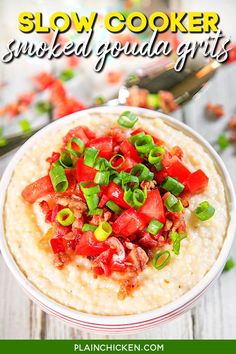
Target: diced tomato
[89, 246]
[160, 176]
[62, 230]
[90, 134]
[153, 207]
[156, 140]
[128, 165]
[80, 132]
[129, 150]
[104, 199]
[53, 158]
[116, 194]
[196, 182]
[55, 210]
[43, 80]
[70, 174]
[128, 223]
[38, 189]
[84, 173]
[44, 206]
[177, 170]
[68, 106]
[57, 245]
[104, 144]
[58, 93]
[118, 267]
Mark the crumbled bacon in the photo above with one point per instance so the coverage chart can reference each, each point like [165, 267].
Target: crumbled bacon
[215, 110]
[232, 123]
[148, 185]
[167, 102]
[138, 258]
[127, 288]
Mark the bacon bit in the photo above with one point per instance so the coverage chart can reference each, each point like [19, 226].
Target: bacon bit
[168, 225]
[113, 77]
[165, 196]
[215, 110]
[107, 215]
[167, 102]
[78, 224]
[137, 97]
[232, 137]
[232, 123]
[149, 185]
[138, 258]
[60, 259]
[161, 241]
[78, 207]
[177, 151]
[147, 241]
[127, 288]
[185, 202]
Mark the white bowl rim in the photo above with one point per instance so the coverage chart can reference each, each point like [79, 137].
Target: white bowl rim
[117, 320]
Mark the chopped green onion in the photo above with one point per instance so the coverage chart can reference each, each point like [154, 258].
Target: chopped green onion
[87, 189]
[116, 158]
[144, 144]
[173, 204]
[128, 197]
[139, 198]
[102, 178]
[96, 211]
[154, 226]
[114, 207]
[3, 141]
[101, 164]
[156, 154]
[90, 156]
[172, 185]
[204, 211]
[58, 179]
[75, 146]
[158, 166]
[127, 178]
[142, 172]
[65, 217]
[66, 74]
[177, 238]
[65, 160]
[25, 125]
[134, 138]
[99, 101]
[127, 119]
[223, 142]
[43, 107]
[135, 198]
[158, 257]
[229, 265]
[92, 201]
[88, 227]
[103, 231]
[153, 100]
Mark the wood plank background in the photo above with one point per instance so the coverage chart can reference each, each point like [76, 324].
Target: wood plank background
[214, 317]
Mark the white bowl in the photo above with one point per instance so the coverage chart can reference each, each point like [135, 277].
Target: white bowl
[129, 323]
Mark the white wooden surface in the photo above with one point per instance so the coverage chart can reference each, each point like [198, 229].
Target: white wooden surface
[213, 317]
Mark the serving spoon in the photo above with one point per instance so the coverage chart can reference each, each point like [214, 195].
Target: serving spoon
[183, 85]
